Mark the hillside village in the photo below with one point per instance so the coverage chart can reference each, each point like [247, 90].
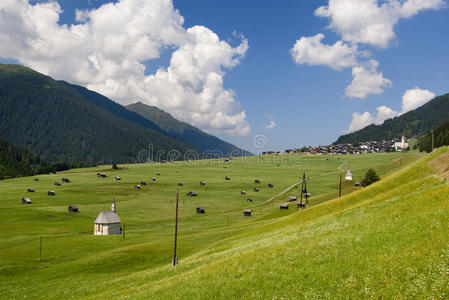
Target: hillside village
[362, 147]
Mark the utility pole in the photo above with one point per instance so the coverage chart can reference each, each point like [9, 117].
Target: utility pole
[175, 259]
[124, 230]
[432, 140]
[40, 250]
[303, 187]
[339, 188]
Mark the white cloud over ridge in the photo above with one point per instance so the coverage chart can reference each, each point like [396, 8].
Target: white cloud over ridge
[414, 98]
[108, 49]
[360, 121]
[366, 80]
[411, 100]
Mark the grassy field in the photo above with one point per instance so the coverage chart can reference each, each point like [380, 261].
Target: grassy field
[324, 251]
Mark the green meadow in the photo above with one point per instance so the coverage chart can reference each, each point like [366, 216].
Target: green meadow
[387, 240]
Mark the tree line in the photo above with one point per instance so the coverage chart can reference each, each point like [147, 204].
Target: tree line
[440, 138]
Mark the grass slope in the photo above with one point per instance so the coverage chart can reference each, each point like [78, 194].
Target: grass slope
[222, 254]
[390, 240]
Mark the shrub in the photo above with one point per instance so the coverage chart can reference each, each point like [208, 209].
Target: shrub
[370, 177]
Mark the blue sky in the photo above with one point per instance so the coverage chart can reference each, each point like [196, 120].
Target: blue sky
[307, 102]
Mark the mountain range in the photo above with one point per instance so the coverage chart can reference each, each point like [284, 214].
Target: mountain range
[413, 123]
[59, 121]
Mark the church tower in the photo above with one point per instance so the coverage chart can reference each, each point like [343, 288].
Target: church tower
[403, 140]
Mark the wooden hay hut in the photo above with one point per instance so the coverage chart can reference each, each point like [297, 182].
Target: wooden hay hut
[153, 179]
[227, 178]
[143, 183]
[180, 184]
[73, 208]
[117, 178]
[30, 190]
[51, 193]
[292, 198]
[101, 175]
[36, 179]
[284, 206]
[357, 184]
[270, 185]
[137, 187]
[256, 190]
[250, 200]
[200, 210]
[65, 180]
[243, 193]
[247, 212]
[26, 201]
[193, 194]
[256, 181]
[202, 183]
[57, 184]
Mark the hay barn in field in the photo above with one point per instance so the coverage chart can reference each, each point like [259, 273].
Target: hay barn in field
[283, 206]
[73, 208]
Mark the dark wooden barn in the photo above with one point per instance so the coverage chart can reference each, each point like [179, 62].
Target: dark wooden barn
[73, 208]
[284, 206]
[26, 201]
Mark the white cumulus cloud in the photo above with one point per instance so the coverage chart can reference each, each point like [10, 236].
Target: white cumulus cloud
[271, 123]
[366, 80]
[414, 98]
[371, 21]
[109, 48]
[311, 51]
[360, 121]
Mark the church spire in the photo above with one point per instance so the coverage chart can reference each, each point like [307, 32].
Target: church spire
[113, 208]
